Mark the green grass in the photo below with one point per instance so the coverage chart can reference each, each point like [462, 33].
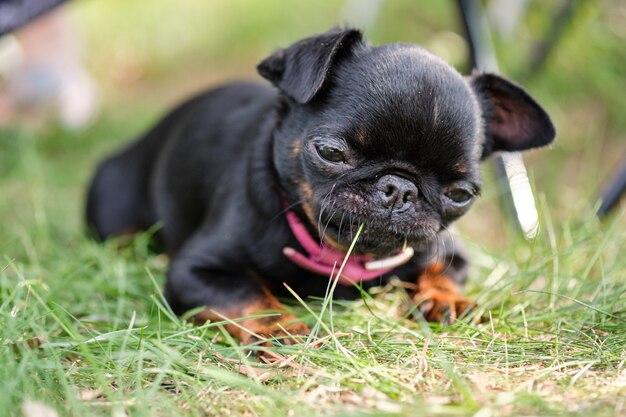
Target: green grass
[84, 329]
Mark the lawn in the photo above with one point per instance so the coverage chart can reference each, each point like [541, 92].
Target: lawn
[84, 329]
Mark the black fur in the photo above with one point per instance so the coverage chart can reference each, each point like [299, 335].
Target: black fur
[219, 171]
[300, 70]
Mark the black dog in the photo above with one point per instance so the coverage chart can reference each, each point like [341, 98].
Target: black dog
[257, 188]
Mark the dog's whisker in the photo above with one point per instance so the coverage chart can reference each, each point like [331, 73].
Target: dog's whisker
[319, 218]
[330, 209]
[330, 217]
[452, 249]
[323, 207]
[340, 224]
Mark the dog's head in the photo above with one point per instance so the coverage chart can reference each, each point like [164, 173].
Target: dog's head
[390, 137]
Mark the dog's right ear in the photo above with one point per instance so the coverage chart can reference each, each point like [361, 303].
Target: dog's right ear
[300, 70]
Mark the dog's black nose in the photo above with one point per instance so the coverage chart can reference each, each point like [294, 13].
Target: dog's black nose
[395, 192]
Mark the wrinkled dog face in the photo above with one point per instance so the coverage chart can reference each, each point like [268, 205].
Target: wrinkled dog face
[395, 146]
[389, 137]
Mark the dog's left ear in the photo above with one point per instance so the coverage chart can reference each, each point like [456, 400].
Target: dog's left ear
[513, 119]
[300, 70]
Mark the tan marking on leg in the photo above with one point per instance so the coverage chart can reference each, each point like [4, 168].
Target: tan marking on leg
[247, 331]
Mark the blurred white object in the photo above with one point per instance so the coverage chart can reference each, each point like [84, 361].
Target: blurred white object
[362, 13]
[504, 15]
[44, 74]
[31, 408]
[522, 193]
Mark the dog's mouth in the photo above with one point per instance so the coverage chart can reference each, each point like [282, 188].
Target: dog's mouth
[323, 259]
[379, 239]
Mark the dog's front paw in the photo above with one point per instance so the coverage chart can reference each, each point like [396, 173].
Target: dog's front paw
[438, 297]
[441, 306]
[261, 320]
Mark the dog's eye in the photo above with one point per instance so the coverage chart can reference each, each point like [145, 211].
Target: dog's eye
[330, 153]
[459, 196]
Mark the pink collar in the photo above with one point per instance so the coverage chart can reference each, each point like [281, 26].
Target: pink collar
[324, 260]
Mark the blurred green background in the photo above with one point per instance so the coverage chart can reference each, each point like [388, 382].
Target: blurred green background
[147, 56]
[567, 287]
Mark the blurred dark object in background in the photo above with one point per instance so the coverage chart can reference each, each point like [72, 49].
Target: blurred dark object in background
[613, 192]
[15, 13]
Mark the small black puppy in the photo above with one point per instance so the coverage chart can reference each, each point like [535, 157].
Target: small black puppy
[257, 188]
